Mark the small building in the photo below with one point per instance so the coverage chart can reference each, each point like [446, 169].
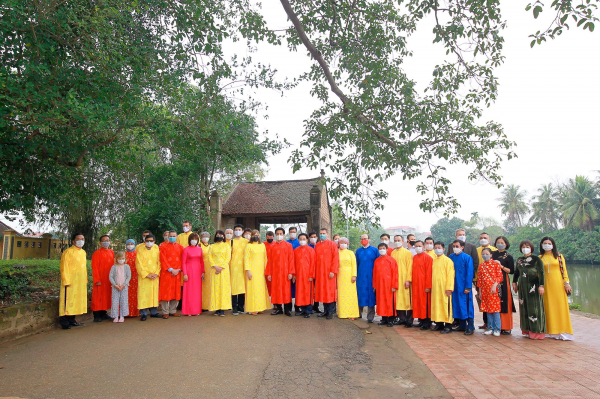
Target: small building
[15, 245]
[400, 230]
[274, 202]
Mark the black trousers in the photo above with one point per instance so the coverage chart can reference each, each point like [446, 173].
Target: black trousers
[485, 318]
[405, 316]
[287, 307]
[329, 308]
[66, 321]
[237, 302]
[316, 307]
[426, 322]
[99, 314]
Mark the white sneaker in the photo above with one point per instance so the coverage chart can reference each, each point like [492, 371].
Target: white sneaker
[496, 333]
[487, 332]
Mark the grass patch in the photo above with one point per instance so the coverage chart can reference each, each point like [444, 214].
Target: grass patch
[31, 280]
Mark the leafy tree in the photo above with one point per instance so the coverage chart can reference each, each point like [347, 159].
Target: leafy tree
[513, 206]
[545, 208]
[444, 229]
[578, 207]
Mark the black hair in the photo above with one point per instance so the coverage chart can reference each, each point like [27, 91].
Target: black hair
[75, 235]
[528, 243]
[311, 233]
[324, 228]
[486, 249]
[270, 234]
[483, 234]
[554, 249]
[384, 235]
[504, 239]
[248, 229]
[303, 234]
[382, 244]
[150, 236]
[292, 228]
[430, 238]
[241, 226]
[102, 236]
[221, 232]
[419, 241]
[280, 228]
[462, 244]
[147, 231]
[439, 243]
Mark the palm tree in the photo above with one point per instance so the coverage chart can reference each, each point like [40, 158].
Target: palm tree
[578, 203]
[513, 206]
[546, 208]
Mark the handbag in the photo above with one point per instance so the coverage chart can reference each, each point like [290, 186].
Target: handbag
[562, 269]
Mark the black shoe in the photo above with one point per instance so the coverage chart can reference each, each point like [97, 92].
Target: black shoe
[299, 313]
[407, 325]
[143, 318]
[382, 323]
[288, 313]
[425, 327]
[306, 315]
[420, 324]
[329, 316]
[66, 327]
[446, 330]
[75, 324]
[437, 328]
[459, 329]
[397, 321]
[469, 332]
[105, 316]
[370, 321]
[322, 314]
[278, 311]
[505, 332]
[97, 319]
[155, 315]
[390, 324]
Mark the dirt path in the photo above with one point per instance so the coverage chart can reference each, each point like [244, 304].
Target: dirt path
[207, 356]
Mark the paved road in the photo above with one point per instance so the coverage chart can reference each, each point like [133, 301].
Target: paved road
[207, 356]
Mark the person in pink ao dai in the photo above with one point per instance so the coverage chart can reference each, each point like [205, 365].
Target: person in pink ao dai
[193, 274]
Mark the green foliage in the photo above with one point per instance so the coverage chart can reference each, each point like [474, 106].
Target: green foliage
[578, 203]
[444, 229]
[583, 13]
[545, 208]
[574, 306]
[513, 206]
[39, 280]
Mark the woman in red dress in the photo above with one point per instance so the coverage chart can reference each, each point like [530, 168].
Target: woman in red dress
[133, 285]
[489, 275]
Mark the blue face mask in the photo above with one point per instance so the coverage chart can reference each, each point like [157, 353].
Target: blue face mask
[323, 237]
[172, 239]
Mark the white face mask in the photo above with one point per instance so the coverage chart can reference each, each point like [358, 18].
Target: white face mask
[105, 244]
[279, 237]
[293, 236]
[438, 251]
[429, 247]
[149, 244]
[79, 243]
[462, 238]
[228, 236]
[486, 257]
[526, 251]
[205, 239]
[130, 246]
[419, 250]
[457, 250]
[193, 242]
[385, 241]
[398, 244]
[247, 237]
[302, 243]
[238, 233]
[547, 247]
[186, 229]
[343, 246]
[120, 261]
[382, 252]
[313, 240]
[484, 242]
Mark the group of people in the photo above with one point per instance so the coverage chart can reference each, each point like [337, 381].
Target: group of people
[398, 281]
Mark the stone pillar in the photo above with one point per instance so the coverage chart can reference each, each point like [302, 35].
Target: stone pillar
[216, 210]
[314, 222]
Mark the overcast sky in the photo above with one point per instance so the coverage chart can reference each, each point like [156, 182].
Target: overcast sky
[548, 102]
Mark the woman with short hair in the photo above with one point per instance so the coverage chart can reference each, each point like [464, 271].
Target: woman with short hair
[556, 303]
[347, 307]
[507, 264]
[528, 282]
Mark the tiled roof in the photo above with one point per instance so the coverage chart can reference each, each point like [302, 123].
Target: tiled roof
[4, 227]
[269, 197]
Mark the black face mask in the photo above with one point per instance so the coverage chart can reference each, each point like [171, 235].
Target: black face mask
[218, 239]
[255, 238]
[412, 243]
[269, 240]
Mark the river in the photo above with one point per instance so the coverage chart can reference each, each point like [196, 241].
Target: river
[585, 281]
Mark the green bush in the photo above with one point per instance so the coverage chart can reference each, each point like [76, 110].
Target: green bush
[575, 306]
